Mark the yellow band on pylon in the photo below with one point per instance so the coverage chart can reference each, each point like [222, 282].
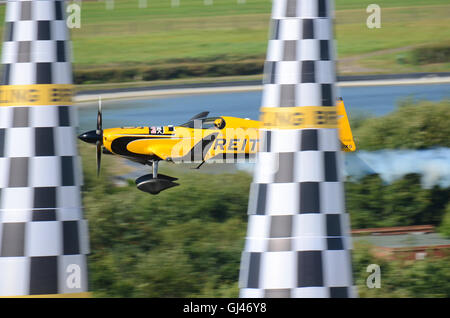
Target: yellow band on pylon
[69, 295]
[299, 117]
[36, 95]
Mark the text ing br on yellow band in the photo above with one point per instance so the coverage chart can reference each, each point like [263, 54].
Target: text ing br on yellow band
[36, 95]
[299, 117]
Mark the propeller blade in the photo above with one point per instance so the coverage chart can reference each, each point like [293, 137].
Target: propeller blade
[99, 116]
[99, 156]
[99, 133]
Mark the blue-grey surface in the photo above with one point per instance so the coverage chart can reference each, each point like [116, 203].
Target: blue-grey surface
[376, 100]
[404, 240]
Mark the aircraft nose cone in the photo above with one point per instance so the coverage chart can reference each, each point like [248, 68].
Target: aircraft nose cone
[89, 137]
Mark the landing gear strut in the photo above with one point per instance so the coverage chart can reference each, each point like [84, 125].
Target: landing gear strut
[154, 183]
[155, 169]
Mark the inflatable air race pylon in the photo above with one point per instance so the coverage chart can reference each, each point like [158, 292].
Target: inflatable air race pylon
[298, 242]
[43, 236]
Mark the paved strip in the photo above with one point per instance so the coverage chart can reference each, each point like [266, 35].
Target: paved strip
[136, 93]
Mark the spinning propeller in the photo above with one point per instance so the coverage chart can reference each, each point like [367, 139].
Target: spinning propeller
[99, 133]
[96, 136]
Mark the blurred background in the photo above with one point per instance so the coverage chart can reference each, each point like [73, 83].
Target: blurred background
[187, 241]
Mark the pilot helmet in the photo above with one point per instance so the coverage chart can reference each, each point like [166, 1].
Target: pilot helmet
[219, 123]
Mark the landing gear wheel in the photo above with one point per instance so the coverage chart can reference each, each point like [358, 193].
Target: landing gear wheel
[155, 185]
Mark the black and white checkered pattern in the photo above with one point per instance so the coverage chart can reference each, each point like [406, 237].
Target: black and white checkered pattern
[298, 242]
[36, 46]
[43, 236]
[300, 63]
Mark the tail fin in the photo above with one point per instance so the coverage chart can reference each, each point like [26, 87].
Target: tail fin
[345, 132]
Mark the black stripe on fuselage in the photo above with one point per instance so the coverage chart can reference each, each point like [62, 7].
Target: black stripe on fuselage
[119, 147]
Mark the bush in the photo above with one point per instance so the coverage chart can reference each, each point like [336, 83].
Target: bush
[424, 278]
[430, 54]
[371, 203]
[170, 71]
[417, 125]
[444, 228]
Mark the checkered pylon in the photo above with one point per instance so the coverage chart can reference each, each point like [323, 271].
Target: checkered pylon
[298, 242]
[43, 236]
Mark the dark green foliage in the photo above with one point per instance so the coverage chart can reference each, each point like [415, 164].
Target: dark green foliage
[412, 126]
[365, 198]
[215, 69]
[185, 242]
[424, 278]
[372, 203]
[404, 202]
[445, 225]
[106, 75]
[430, 54]
[168, 71]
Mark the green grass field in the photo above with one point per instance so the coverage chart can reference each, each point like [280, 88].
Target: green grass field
[225, 31]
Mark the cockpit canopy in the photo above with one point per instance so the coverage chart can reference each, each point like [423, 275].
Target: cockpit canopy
[206, 123]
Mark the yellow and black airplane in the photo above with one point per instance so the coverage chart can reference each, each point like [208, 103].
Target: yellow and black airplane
[201, 139]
